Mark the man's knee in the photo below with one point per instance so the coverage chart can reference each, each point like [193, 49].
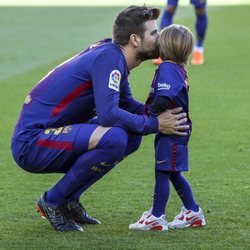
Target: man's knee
[115, 141]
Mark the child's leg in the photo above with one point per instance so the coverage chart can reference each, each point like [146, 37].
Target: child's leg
[155, 219]
[161, 194]
[184, 191]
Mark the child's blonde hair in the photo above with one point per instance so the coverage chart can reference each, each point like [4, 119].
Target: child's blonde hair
[176, 43]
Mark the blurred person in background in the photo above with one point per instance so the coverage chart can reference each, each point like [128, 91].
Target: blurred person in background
[200, 27]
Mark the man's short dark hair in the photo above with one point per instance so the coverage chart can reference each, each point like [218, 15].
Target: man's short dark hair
[131, 21]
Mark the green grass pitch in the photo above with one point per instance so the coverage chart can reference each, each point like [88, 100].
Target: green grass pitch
[34, 40]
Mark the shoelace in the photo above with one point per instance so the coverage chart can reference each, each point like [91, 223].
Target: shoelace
[62, 215]
[82, 208]
[79, 208]
[183, 212]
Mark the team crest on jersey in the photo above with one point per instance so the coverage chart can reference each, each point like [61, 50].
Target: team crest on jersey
[67, 129]
[28, 99]
[114, 80]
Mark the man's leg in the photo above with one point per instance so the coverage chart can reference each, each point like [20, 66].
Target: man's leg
[78, 212]
[201, 25]
[166, 20]
[109, 150]
[133, 144]
[68, 150]
[201, 28]
[54, 150]
[168, 14]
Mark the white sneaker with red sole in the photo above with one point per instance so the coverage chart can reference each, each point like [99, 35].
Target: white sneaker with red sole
[150, 222]
[188, 218]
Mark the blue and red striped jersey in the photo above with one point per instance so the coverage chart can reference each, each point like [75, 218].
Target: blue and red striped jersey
[92, 83]
[171, 81]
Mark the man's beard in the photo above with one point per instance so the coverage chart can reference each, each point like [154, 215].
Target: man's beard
[144, 55]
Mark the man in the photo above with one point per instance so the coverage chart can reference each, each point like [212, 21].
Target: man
[200, 27]
[56, 133]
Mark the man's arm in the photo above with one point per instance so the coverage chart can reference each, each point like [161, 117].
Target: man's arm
[169, 123]
[160, 104]
[173, 122]
[107, 97]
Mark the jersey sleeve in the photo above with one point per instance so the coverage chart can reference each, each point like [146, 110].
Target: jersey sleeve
[109, 83]
[160, 104]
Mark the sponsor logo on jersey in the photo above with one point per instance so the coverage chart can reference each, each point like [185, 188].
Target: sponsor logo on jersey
[114, 80]
[96, 169]
[159, 162]
[105, 164]
[163, 85]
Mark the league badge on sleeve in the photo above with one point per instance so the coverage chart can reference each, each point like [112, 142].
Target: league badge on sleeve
[114, 80]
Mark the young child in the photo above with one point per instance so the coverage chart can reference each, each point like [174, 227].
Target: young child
[170, 89]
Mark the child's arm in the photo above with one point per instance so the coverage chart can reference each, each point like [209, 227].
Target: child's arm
[160, 104]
